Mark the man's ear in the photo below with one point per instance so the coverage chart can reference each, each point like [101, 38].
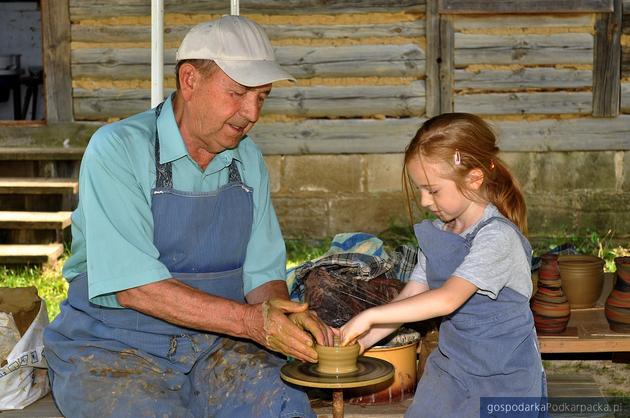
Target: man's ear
[474, 178]
[188, 76]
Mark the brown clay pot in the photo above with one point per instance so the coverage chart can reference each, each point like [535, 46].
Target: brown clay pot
[549, 304]
[617, 307]
[582, 279]
[336, 359]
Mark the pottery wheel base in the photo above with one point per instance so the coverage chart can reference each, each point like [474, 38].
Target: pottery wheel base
[370, 371]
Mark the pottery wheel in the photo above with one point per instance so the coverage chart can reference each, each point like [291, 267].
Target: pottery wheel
[370, 371]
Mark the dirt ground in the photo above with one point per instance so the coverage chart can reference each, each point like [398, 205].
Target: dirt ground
[613, 378]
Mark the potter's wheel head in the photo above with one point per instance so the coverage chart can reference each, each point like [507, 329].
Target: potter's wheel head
[370, 371]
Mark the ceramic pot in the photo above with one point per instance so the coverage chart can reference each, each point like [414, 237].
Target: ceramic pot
[582, 279]
[336, 359]
[403, 358]
[549, 305]
[617, 307]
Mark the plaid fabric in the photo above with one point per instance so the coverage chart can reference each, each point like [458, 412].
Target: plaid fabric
[356, 256]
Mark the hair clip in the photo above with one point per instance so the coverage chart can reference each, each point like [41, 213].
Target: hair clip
[491, 164]
[458, 157]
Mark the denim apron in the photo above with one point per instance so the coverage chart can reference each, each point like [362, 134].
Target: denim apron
[487, 348]
[123, 363]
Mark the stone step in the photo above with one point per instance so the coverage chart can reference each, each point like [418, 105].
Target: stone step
[40, 153]
[38, 185]
[30, 254]
[34, 220]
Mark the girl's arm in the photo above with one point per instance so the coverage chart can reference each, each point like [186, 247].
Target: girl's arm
[436, 302]
[379, 332]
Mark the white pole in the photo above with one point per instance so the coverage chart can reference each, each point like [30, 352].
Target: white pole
[157, 52]
[234, 7]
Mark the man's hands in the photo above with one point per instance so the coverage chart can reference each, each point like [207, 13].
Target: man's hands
[280, 325]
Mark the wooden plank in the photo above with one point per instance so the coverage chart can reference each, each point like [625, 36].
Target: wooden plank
[524, 6]
[142, 33]
[34, 220]
[447, 63]
[42, 408]
[489, 22]
[56, 50]
[38, 185]
[35, 254]
[405, 60]
[606, 68]
[319, 101]
[433, 59]
[625, 61]
[562, 48]
[587, 134]
[546, 78]
[52, 135]
[349, 136]
[524, 103]
[625, 98]
[95, 9]
[40, 154]
[586, 343]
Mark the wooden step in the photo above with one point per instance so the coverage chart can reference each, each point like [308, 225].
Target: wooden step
[30, 254]
[35, 185]
[34, 220]
[40, 153]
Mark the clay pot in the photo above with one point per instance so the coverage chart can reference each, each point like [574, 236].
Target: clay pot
[549, 305]
[336, 359]
[401, 352]
[617, 307]
[582, 279]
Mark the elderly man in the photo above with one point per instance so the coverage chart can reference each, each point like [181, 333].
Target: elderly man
[178, 262]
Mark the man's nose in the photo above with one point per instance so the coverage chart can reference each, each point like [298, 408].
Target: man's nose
[250, 108]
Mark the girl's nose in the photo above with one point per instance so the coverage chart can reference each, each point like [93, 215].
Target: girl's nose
[425, 198]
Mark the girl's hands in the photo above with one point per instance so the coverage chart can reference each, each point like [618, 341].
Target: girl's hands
[356, 327]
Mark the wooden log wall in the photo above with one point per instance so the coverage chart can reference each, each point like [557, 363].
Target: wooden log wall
[364, 65]
[353, 60]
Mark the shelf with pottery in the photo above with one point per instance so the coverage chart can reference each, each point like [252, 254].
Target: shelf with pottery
[588, 331]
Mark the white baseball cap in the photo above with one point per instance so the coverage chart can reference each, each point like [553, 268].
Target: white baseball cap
[240, 48]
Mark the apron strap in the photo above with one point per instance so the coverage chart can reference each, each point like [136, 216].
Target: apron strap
[164, 172]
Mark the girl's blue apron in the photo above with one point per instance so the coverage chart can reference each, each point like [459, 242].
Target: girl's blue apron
[487, 348]
[120, 362]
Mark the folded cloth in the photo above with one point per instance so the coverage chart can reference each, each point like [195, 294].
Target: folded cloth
[356, 256]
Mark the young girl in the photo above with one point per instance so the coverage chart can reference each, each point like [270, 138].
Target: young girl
[473, 269]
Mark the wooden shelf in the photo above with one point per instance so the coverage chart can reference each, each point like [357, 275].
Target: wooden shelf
[588, 331]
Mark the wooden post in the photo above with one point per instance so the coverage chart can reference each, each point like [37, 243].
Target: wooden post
[432, 96]
[447, 65]
[56, 46]
[337, 403]
[607, 63]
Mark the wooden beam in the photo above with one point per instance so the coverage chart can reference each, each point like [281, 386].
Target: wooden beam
[433, 59]
[405, 60]
[607, 65]
[554, 49]
[95, 9]
[523, 78]
[56, 46]
[318, 101]
[547, 103]
[625, 98]
[142, 33]
[524, 6]
[447, 63]
[63, 135]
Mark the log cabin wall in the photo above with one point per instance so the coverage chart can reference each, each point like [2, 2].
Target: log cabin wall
[552, 77]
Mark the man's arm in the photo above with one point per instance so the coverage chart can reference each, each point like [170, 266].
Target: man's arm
[264, 320]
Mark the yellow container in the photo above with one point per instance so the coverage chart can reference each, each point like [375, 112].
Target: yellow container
[403, 358]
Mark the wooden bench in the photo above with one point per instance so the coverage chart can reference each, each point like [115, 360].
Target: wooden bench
[561, 385]
[588, 331]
